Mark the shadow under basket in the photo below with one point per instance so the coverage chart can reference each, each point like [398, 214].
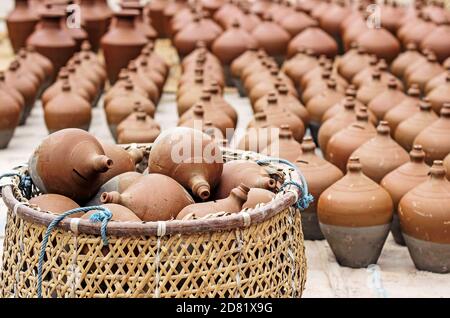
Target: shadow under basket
[254, 253]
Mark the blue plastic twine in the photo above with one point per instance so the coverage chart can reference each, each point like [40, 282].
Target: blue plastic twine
[102, 215]
[306, 198]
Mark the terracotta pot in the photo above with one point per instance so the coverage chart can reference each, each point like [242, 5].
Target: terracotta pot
[440, 95]
[122, 43]
[10, 113]
[55, 203]
[187, 100]
[380, 42]
[12, 92]
[401, 180]
[232, 204]
[201, 113]
[381, 154]
[256, 197]
[423, 213]
[368, 91]
[297, 21]
[350, 65]
[355, 230]
[52, 41]
[139, 79]
[171, 9]
[41, 60]
[419, 31]
[56, 88]
[410, 56]
[148, 206]
[243, 60]
[150, 74]
[366, 73]
[138, 127]
[315, 39]
[285, 147]
[319, 104]
[141, 23]
[226, 11]
[218, 101]
[67, 110]
[406, 108]
[124, 87]
[447, 166]
[261, 7]
[69, 162]
[386, 100]
[320, 85]
[343, 143]
[354, 29]
[31, 66]
[21, 22]
[332, 18]
[410, 128]
[212, 5]
[268, 83]
[259, 136]
[271, 37]
[437, 80]
[434, 138]
[246, 18]
[156, 13]
[119, 213]
[300, 64]
[182, 18]
[236, 172]
[424, 72]
[200, 174]
[319, 174]
[155, 60]
[391, 15]
[82, 81]
[324, 66]
[96, 17]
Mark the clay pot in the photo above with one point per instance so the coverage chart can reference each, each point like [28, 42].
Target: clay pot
[256, 197]
[391, 15]
[410, 56]
[437, 80]
[435, 138]
[380, 42]
[156, 13]
[124, 87]
[246, 19]
[261, 7]
[200, 113]
[69, 162]
[424, 72]
[315, 39]
[31, 66]
[418, 31]
[148, 206]
[232, 204]
[355, 230]
[119, 213]
[440, 95]
[285, 147]
[423, 213]
[410, 128]
[386, 100]
[10, 116]
[124, 160]
[82, 82]
[138, 127]
[319, 175]
[151, 75]
[297, 21]
[406, 108]
[52, 41]
[55, 203]
[56, 88]
[171, 9]
[332, 18]
[11, 91]
[381, 154]
[268, 83]
[78, 34]
[96, 16]
[155, 60]
[350, 65]
[198, 173]
[21, 22]
[321, 84]
[218, 101]
[336, 123]
[259, 136]
[319, 104]
[191, 96]
[122, 43]
[401, 180]
[243, 60]
[344, 142]
[139, 79]
[354, 29]
[368, 91]
[300, 64]
[141, 23]
[236, 172]
[67, 110]
[447, 166]
[271, 37]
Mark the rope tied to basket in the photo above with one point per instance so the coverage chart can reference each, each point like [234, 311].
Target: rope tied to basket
[25, 182]
[305, 198]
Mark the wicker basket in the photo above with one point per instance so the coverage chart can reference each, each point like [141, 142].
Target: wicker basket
[255, 253]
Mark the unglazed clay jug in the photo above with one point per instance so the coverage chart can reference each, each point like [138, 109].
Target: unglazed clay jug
[10, 115]
[386, 100]
[435, 138]
[119, 213]
[21, 22]
[122, 43]
[124, 160]
[69, 162]
[381, 154]
[403, 110]
[297, 21]
[54, 203]
[344, 142]
[285, 147]
[410, 56]
[148, 206]
[319, 174]
[67, 110]
[271, 37]
[440, 95]
[380, 42]
[231, 204]
[239, 171]
[410, 128]
[401, 180]
[190, 157]
[256, 197]
[52, 41]
[438, 41]
[138, 127]
[315, 39]
[96, 16]
[355, 230]
[424, 214]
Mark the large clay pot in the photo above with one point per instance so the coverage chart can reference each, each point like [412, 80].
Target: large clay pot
[141, 23]
[297, 21]
[190, 157]
[435, 138]
[285, 147]
[403, 110]
[96, 16]
[401, 180]
[122, 43]
[424, 212]
[381, 154]
[355, 230]
[54, 203]
[67, 110]
[410, 56]
[440, 95]
[138, 127]
[410, 128]
[52, 41]
[147, 205]
[124, 160]
[386, 100]
[239, 171]
[156, 13]
[10, 115]
[256, 197]
[343, 143]
[424, 72]
[315, 39]
[319, 174]
[271, 37]
[380, 42]
[69, 162]
[231, 204]
[21, 22]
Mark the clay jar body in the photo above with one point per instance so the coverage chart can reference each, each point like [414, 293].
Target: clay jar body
[271, 37]
[404, 59]
[296, 22]
[319, 175]
[232, 204]
[381, 154]
[438, 41]
[21, 22]
[380, 42]
[138, 127]
[147, 205]
[403, 110]
[424, 219]
[401, 180]
[55, 203]
[257, 196]
[122, 43]
[124, 161]
[386, 100]
[69, 162]
[96, 16]
[319, 104]
[239, 171]
[285, 147]
[190, 157]
[119, 213]
[315, 39]
[447, 166]
[9, 117]
[441, 94]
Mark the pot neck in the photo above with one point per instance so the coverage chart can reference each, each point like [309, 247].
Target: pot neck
[51, 22]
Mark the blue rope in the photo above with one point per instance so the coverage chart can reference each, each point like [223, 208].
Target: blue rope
[102, 215]
[306, 198]
[25, 184]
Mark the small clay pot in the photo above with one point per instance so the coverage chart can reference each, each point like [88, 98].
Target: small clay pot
[401, 180]
[315, 39]
[419, 31]
[138, 127]
[10, 115]
[239, 63]
[300, 64]
[259, 136]
[55, 203]
[21, 22]
[410, 56]
[271, 37]
[143, 82]
[386, 100]
[440, 95]
[355, 230]
[352, 64]
[256, 197]
[124, 160]
[319, 104]
[368, 91]
[56, 88]
[424, 72]
[285, 147]
[380, 42]
[297, 21]
[96, 17]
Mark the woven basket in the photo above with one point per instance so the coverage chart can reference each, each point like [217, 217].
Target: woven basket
[255, 253]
